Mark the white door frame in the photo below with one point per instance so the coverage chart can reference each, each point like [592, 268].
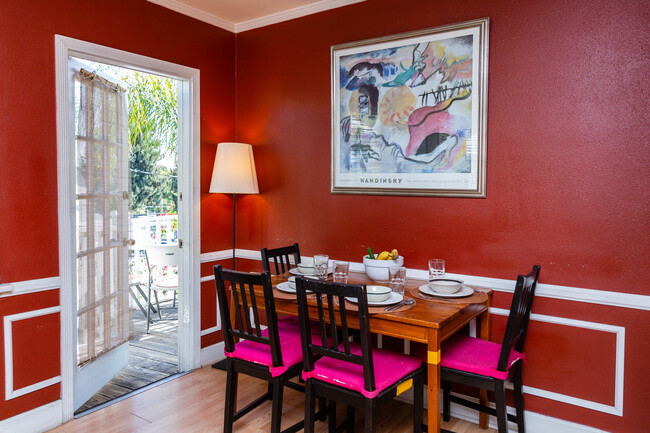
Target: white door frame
[189, 307]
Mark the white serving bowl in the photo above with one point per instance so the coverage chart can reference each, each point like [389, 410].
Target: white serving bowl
[445, 285]
[378, 269]
[377, 293]
[306, 268]
[292, 282]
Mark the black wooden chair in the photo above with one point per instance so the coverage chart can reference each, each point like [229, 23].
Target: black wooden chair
[488, 365]
[273, 355]
[281, 258]
[351, 373]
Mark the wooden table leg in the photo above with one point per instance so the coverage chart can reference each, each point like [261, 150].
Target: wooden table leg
[484, 334]
[433, 382]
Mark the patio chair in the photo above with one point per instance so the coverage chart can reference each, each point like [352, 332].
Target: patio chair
[488, 365]
[162, 264]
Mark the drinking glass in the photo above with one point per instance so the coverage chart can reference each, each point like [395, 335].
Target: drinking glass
[397, 278]
[341, 272]
[320, 266]
[436, 268]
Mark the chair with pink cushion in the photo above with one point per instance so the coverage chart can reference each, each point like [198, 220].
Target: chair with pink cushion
[488, 365]
[273, 354]
[356, 374]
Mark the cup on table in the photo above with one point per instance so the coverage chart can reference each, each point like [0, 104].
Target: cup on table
[436, 268]
[320, 266]
[341, 270]
[397, 279]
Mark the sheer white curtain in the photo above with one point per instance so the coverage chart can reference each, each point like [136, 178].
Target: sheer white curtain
[104, 320]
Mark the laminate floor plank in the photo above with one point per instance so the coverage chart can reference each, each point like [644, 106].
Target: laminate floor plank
[194, 403]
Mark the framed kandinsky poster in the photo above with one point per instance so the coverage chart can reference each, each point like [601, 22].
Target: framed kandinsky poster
[409, 113]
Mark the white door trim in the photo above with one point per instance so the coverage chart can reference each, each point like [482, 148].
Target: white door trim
[189, 210]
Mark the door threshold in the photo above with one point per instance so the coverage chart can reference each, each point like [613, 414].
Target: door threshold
[130, 394]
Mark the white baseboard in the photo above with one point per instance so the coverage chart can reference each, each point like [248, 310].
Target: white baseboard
[535, 422]
[36, 420]
[212, 354]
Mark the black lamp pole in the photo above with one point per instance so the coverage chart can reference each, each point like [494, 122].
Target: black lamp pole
[234, 207]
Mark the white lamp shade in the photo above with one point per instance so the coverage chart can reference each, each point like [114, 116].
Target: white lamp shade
[234, 169]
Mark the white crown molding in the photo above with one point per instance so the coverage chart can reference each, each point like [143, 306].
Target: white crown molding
[198, 14]
[287, 15]
[292, 14]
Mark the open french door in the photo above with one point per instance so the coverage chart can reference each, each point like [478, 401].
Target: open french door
[99, 184]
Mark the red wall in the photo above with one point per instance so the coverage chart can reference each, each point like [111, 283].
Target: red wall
[565, 169]
[566, 172]
[28, 161]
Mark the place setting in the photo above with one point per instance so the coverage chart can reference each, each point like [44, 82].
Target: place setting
[444, 289]
[385, 299]
[319, 269]
[310, 269]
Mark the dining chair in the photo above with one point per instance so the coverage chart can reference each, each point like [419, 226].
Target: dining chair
[281, 258]
[488, 365]
[356, 374]
[273, 354]
[162, 265]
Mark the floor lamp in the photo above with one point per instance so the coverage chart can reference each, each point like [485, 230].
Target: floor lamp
[233, 173]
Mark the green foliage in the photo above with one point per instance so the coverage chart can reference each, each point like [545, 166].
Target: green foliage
[153, 126]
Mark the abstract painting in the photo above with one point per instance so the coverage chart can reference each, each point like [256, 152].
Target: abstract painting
[409, 113]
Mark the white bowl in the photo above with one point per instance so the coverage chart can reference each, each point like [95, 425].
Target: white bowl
[292, 282]
[377, 293]
[378, 269]
[445, 285]
[306, 268]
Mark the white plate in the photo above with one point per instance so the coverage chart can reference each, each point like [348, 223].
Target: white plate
[464, 291]
[286, 287]
[296, 271]
[393, 298]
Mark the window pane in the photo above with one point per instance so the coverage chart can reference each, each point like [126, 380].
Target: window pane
[82, 166]
[82, 282]
[82, 225]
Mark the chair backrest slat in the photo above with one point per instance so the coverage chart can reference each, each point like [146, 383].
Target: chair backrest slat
[334, 294]
[281, 258]
[519, 316]
[244, 301]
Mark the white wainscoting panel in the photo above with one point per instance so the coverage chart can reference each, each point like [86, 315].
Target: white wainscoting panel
[10, 392]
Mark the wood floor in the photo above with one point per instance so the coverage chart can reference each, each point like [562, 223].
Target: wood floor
[194, 403]
[152, 357]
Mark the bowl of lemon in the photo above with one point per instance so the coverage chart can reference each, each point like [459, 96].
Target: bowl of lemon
[377, 264]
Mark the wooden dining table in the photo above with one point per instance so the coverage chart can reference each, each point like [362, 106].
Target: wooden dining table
[429, 321]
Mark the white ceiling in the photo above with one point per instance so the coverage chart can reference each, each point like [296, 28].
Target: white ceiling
[240, 15]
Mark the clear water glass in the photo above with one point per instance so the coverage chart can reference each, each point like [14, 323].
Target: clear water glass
[320, 266]
[341, 270]
[397, 279]
[436, 268]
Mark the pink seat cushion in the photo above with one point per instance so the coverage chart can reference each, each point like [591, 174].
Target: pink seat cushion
[290, 346]
[390, 367]
[477, 356]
